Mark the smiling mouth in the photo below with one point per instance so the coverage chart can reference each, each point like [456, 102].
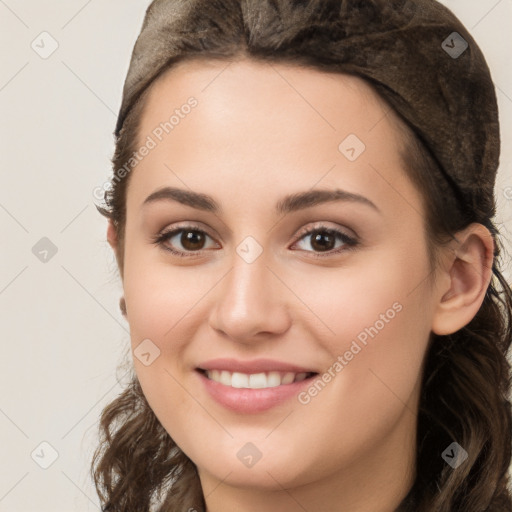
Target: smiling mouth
[260, 380]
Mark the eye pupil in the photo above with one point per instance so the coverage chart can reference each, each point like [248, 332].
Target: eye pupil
[192, 240]
[316, 239]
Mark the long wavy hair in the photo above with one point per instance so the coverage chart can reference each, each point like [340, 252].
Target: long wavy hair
[466, 380]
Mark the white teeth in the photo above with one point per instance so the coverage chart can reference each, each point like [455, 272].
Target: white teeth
[257, 381]
[225, 378]
[300, 377]
[254, 380]
[273, 379]
[288, 378]
[240, 380]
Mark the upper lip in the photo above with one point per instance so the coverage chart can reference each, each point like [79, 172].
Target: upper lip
[254, 366]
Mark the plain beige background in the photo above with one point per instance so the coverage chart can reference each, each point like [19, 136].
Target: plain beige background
[62, 333]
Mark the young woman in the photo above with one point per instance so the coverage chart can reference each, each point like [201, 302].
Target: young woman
[301, 211]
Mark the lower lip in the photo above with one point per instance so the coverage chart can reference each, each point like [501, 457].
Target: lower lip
[246, 400]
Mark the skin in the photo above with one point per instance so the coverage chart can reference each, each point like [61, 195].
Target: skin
[258, 133]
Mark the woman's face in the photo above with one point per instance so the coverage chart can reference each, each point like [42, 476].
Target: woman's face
[269, 283]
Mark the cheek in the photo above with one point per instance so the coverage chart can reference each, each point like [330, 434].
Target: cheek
[374, 322]
[373, 376]
[157, 295]
[374, 297]
[160, 303]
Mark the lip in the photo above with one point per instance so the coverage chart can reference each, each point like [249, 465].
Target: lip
[251, 401]
[254, 366]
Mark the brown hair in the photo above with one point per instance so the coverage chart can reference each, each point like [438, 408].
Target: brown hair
[466, 376]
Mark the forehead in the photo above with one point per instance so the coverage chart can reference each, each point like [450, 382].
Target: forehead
[265, 82]
[257, 122]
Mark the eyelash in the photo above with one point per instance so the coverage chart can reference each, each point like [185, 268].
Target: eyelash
[350, 243]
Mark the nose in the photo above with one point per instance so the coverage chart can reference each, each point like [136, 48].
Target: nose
[251, 303]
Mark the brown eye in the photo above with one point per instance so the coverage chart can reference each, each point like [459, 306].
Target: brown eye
[183, 241]
[192, 240]
[323, 240]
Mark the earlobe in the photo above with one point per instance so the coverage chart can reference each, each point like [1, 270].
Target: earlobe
[468, 273]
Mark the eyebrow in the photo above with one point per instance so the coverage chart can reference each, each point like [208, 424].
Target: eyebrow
[288, 204]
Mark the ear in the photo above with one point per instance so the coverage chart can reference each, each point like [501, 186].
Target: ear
[113, 240]
[112, 235]
[466, 274]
